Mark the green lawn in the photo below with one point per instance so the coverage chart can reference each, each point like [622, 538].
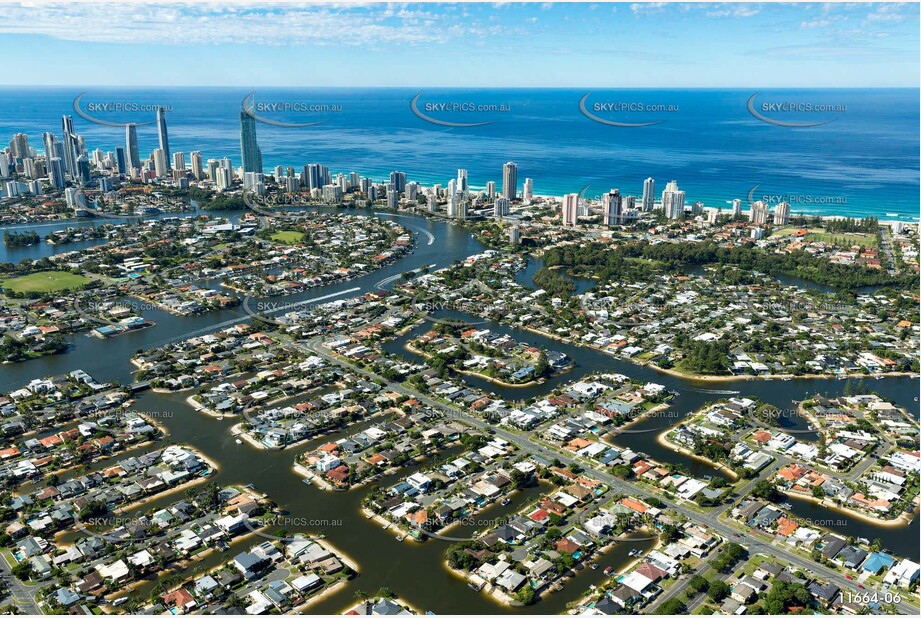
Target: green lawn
[47, 281]
[288, 237]
[843, 240]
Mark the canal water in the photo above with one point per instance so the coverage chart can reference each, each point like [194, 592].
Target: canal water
[415, 570]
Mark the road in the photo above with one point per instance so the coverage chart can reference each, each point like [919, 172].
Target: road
[20, 595]
[523, 442]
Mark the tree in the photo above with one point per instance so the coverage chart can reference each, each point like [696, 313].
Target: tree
[766, 490]
[718, 590]
[23, 570]
[673, 607]
[698, 583]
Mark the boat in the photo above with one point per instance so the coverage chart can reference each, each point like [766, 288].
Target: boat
[238, 441]
[506, 502]
[786, 505]
[594, 567]
[609, 570]
[634, 552]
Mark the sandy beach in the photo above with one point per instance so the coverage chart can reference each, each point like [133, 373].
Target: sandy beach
[661, 439]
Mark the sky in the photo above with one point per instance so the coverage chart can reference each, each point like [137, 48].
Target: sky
[656, 45]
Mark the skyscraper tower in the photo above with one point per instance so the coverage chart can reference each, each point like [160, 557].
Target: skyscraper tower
[613, 207]
[510, 181]
[164, 136]
[782, 213]
[131, 146]
[649, 194]
[70, 145]
[570, 209]
[249, 149]
[120, 160]
[673, 200]
[527, 190]
[736, 207]
[398, 180]
[48, 139]
[462, 180]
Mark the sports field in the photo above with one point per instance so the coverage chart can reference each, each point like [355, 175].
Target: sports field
[47, 281]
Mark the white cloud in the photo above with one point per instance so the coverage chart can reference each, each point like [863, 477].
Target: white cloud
[191, 24]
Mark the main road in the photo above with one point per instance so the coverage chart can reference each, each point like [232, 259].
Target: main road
[523, 442]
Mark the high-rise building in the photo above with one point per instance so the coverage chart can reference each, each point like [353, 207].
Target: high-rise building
[398, 180]
[527, 192]
[4, 165]
[314, 174]
[758, 213]
[501, 207]
[160, 166]
[163, 134]
[49, 141]
[491, 189]
[83, 169]
[179, 161]
[514, 235]
[736, 208]
[71, 148]
[673, 200]
[28, 167]
[19, 146]
[56, 172]
[462, 185]
[613, 207]
[249, 149]
[571, 209]
[649, 194]
[393, 196]
[131, 146]
[412, 189]
[120, 160]
[510, 181]
[782, 213]
[195, 163]
[224, 178]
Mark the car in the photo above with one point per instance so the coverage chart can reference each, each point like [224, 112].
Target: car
[861, 586]
[849, 577]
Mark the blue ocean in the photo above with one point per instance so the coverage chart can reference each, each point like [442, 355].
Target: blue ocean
[860, 156]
